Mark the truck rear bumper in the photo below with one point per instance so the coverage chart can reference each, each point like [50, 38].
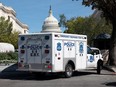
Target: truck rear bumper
[35, 67]
[34, 70]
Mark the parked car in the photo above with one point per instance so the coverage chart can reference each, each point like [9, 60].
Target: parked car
[93, 55]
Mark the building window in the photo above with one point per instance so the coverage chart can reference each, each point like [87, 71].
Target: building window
[25, 31]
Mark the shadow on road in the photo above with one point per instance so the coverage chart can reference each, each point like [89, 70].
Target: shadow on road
[12, 74]
[83, 73]
[110, 84]
[30, 76]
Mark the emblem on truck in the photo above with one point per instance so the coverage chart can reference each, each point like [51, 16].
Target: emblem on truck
[81, 47]
[91, 59]
[58, 46]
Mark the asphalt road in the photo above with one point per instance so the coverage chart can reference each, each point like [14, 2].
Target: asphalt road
[87, 78]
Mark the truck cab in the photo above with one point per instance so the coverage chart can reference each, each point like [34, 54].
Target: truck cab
[93, 56]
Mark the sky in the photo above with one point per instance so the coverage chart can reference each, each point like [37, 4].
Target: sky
[34, 12]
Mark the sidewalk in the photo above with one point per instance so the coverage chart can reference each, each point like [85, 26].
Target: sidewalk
[8, 68]
[110, 68]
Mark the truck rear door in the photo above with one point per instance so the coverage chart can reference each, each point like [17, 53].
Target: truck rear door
[58, 55]
[34, 51]
[81, 55]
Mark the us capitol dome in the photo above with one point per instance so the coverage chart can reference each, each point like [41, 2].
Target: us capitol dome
[51, 24]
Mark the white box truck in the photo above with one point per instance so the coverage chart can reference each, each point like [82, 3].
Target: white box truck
[55, 52]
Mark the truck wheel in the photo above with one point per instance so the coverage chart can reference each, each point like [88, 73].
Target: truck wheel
[99, 66]
[68, 71]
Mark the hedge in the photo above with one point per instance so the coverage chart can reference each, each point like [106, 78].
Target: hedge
[9, 56]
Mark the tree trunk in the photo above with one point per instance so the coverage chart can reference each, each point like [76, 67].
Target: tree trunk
[112, 50]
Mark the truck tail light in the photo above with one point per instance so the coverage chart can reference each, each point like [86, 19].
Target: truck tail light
[49, 66]
[46, 51]
[22, 51]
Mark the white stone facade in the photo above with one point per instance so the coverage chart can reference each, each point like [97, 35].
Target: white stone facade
[17, 25]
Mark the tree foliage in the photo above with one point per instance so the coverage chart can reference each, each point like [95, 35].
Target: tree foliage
[6, 34]
[13, 39]
[5, 26]
[89, 26]
[108, 8]
[62, 20]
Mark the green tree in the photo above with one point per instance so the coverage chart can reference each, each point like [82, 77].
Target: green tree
[108, 11]
[13, 39]
[81, 25]
[70, 25]
[62, 20]
[5, 29]
[108, 8]
[89, 26]
[6, 34]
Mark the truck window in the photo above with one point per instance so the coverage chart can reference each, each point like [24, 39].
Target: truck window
[96, 51]
[89, 51]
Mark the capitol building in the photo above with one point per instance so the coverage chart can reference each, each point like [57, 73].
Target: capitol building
[51, 24]
[8, 12]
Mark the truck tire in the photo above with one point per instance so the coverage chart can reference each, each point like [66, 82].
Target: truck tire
[68, 71]
[99, 66]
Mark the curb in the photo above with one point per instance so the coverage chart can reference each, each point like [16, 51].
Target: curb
[110, 68]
